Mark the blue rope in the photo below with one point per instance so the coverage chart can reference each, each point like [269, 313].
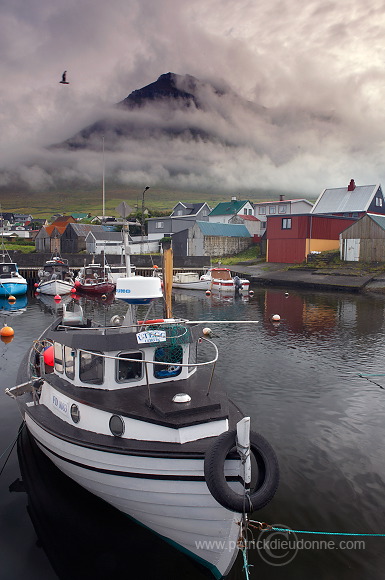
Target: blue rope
[323, 533]
[246, 565]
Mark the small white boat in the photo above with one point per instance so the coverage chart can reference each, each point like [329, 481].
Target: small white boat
[215, 280]
[128, 412]
[56, 278]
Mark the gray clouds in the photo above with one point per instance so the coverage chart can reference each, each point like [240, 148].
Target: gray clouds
[315, 72]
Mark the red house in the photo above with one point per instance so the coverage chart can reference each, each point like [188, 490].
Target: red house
[290, 239]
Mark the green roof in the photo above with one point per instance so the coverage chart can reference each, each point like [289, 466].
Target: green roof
[226, 230]
[228, 207]
[79, 216]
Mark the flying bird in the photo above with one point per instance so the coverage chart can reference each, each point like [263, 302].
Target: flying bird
[64, 78]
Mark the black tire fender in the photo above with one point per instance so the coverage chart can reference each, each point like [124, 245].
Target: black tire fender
[266, 482]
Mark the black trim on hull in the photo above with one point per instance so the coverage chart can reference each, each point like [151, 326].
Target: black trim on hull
[159, 476]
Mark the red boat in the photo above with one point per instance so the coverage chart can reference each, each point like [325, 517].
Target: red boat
[95, 279]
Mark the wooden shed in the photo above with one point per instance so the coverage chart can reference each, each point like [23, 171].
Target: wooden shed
[364, 240]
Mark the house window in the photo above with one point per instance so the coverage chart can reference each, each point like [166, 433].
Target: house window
[245, 211]
[355, 214]
[286, 223]
[263, 225]
[250, 212]
[282, 209]
[159, 225]
[179, 212]
[379, 201]
[272, 209]
[262, 210]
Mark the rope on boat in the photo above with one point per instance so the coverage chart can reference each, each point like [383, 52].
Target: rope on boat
[195, 364]
[11, 445]
[262, 526]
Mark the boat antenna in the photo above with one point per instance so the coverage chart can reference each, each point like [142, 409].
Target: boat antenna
[104, 188]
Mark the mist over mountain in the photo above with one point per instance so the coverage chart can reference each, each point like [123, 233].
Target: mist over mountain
[187, 134]
[173, 107]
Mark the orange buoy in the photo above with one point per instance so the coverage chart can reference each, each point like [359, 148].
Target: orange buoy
[11, 298]
[276, 317]
[6, 339]
[7, 331]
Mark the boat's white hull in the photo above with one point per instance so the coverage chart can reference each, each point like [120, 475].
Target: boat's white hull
[54, 287]
[169, 496]
[199, 285]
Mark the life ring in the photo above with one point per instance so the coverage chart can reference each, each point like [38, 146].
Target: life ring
[156, 321]
[268, 473]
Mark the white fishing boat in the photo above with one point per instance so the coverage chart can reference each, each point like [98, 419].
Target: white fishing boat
[128, 412]
[55, 278]
[120, 272]
[215, 280]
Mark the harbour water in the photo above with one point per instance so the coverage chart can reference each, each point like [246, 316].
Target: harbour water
[299, 380]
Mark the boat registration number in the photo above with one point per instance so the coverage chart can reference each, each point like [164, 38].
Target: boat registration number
[151, 336]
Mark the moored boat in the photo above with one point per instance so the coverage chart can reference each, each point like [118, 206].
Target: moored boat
[95, 279]
[221, 280]
[128, 412]
[215, 279]
[11, 282]
[56, 277]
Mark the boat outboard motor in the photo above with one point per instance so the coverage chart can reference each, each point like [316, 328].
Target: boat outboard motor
[237, 283]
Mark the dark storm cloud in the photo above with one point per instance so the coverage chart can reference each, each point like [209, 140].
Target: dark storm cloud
[304, 110]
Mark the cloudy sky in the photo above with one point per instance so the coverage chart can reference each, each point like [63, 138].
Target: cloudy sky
[318, 68]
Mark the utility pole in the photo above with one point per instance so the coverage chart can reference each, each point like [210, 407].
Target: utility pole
[142, 228]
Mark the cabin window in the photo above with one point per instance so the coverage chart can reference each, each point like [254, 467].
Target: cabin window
[129, 370]
[58, 354]
[91, 368]
[286, 223]
[168, 354]
[69, 362]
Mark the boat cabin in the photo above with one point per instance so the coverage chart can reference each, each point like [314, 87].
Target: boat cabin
[95, 272]
[8, 270]
[112, 358]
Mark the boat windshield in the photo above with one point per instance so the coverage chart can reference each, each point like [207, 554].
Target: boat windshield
[6, 270]
[221, 274]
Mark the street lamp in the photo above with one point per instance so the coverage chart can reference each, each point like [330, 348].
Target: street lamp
[144, 191]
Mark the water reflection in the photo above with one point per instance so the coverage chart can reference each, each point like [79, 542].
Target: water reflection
[16, 306]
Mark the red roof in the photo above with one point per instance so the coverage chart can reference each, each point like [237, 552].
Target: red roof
[251, 218]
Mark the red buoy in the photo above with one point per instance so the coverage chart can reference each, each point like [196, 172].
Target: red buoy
[49, 356]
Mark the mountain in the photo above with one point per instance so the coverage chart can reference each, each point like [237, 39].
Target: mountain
[170, 107]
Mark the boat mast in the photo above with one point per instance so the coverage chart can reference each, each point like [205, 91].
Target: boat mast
[167, 277]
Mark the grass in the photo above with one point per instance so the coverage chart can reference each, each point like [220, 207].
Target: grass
[24, 246]
[249, 255]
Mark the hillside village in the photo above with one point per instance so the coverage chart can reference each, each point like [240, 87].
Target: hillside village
[351, 219]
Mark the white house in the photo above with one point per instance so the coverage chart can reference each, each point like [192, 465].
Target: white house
[282, 207]
[224, 211]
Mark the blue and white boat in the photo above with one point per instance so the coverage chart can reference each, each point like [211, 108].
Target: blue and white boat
[11, 282]
[129, 412]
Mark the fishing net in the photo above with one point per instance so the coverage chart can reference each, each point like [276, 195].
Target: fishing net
[175, 334]
[171, 350]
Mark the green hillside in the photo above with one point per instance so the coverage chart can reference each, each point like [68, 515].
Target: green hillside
[89, 199]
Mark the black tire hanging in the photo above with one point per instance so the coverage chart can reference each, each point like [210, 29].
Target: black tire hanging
[267, 480]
